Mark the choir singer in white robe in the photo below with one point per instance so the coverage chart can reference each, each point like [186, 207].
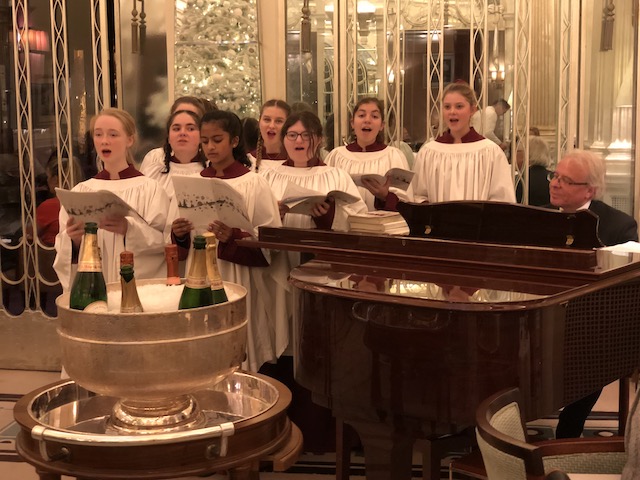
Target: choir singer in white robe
[114, 133]
[458, 165]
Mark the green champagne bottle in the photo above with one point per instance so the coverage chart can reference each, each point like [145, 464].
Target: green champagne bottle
[89, 291]
[197, 290]
[130, 302]
[217, 286]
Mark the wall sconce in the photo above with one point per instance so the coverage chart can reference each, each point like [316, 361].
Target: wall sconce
[497, 75]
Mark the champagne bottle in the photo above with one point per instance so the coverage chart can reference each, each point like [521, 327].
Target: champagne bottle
[197, 290]
[130, 302]
[217, 286]
[171, 257]
[89, 291]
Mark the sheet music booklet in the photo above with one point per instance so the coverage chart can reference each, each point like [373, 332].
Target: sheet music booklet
[400, 178]
[203, 200]
[93, 206]
[302, 200]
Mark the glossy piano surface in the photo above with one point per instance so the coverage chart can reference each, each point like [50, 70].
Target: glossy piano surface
[403, 337]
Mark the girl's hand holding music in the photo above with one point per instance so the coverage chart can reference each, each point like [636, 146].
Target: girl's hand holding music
[114, 224]
[379, 190]
[223, 232]
[181, 227]
[75, 230]
[320, 209]
[284, 209]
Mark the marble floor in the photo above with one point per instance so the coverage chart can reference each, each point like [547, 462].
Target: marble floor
[14, 383]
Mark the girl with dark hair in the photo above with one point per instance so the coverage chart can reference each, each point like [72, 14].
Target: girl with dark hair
[269, 151]
[368, 152]
[221, 137]
[181, 153]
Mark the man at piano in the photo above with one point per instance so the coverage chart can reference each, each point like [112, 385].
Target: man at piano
[577, 184]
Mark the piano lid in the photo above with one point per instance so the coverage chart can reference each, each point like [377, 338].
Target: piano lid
[505, 223]
[505, 242]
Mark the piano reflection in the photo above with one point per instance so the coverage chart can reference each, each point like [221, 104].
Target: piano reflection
[402, 337]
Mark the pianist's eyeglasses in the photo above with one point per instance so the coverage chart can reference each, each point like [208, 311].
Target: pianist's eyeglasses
[293, 136]
[564, 180]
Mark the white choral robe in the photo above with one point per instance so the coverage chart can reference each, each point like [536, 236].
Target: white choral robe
[268, 330]
[462, 171]
[321, 179]
[145, 240]
[379, 162]
[265, 163]
[153, 165]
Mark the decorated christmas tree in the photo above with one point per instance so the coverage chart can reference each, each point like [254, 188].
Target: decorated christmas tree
[216, 53]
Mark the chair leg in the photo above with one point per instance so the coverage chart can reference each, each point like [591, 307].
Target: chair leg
[623, 405]
[344, 444]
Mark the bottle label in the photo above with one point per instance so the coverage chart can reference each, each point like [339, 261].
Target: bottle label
[99, 306]
[197, 282]
[89, 266]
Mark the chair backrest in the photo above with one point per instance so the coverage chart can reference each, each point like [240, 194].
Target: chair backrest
[502, 439]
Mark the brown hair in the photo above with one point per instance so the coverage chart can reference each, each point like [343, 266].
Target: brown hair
[463, 89]
[167, 148]
[128, 124]
[380, 105]
[194, 101]
[274, 102]
[311, 123]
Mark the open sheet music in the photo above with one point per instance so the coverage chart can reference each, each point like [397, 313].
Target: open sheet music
[400, 178]
[203, 200]
[302, 200]
[93, 206]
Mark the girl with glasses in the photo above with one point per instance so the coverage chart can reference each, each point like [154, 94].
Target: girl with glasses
[302, 138]
[368, 152]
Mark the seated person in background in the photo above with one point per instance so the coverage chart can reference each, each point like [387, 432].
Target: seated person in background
[538, 173]
[577, 184]
[48, 210]
[492, 128]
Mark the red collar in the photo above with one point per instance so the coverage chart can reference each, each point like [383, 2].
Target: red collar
[470, 137]
[128, 172]
[236, 169]
[314, 162]
[374, 147]
[196, 159]
[282, 155]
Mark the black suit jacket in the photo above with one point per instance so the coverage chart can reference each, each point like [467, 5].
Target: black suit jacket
[614, 226]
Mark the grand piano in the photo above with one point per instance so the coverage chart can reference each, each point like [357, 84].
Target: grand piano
[402, 337]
